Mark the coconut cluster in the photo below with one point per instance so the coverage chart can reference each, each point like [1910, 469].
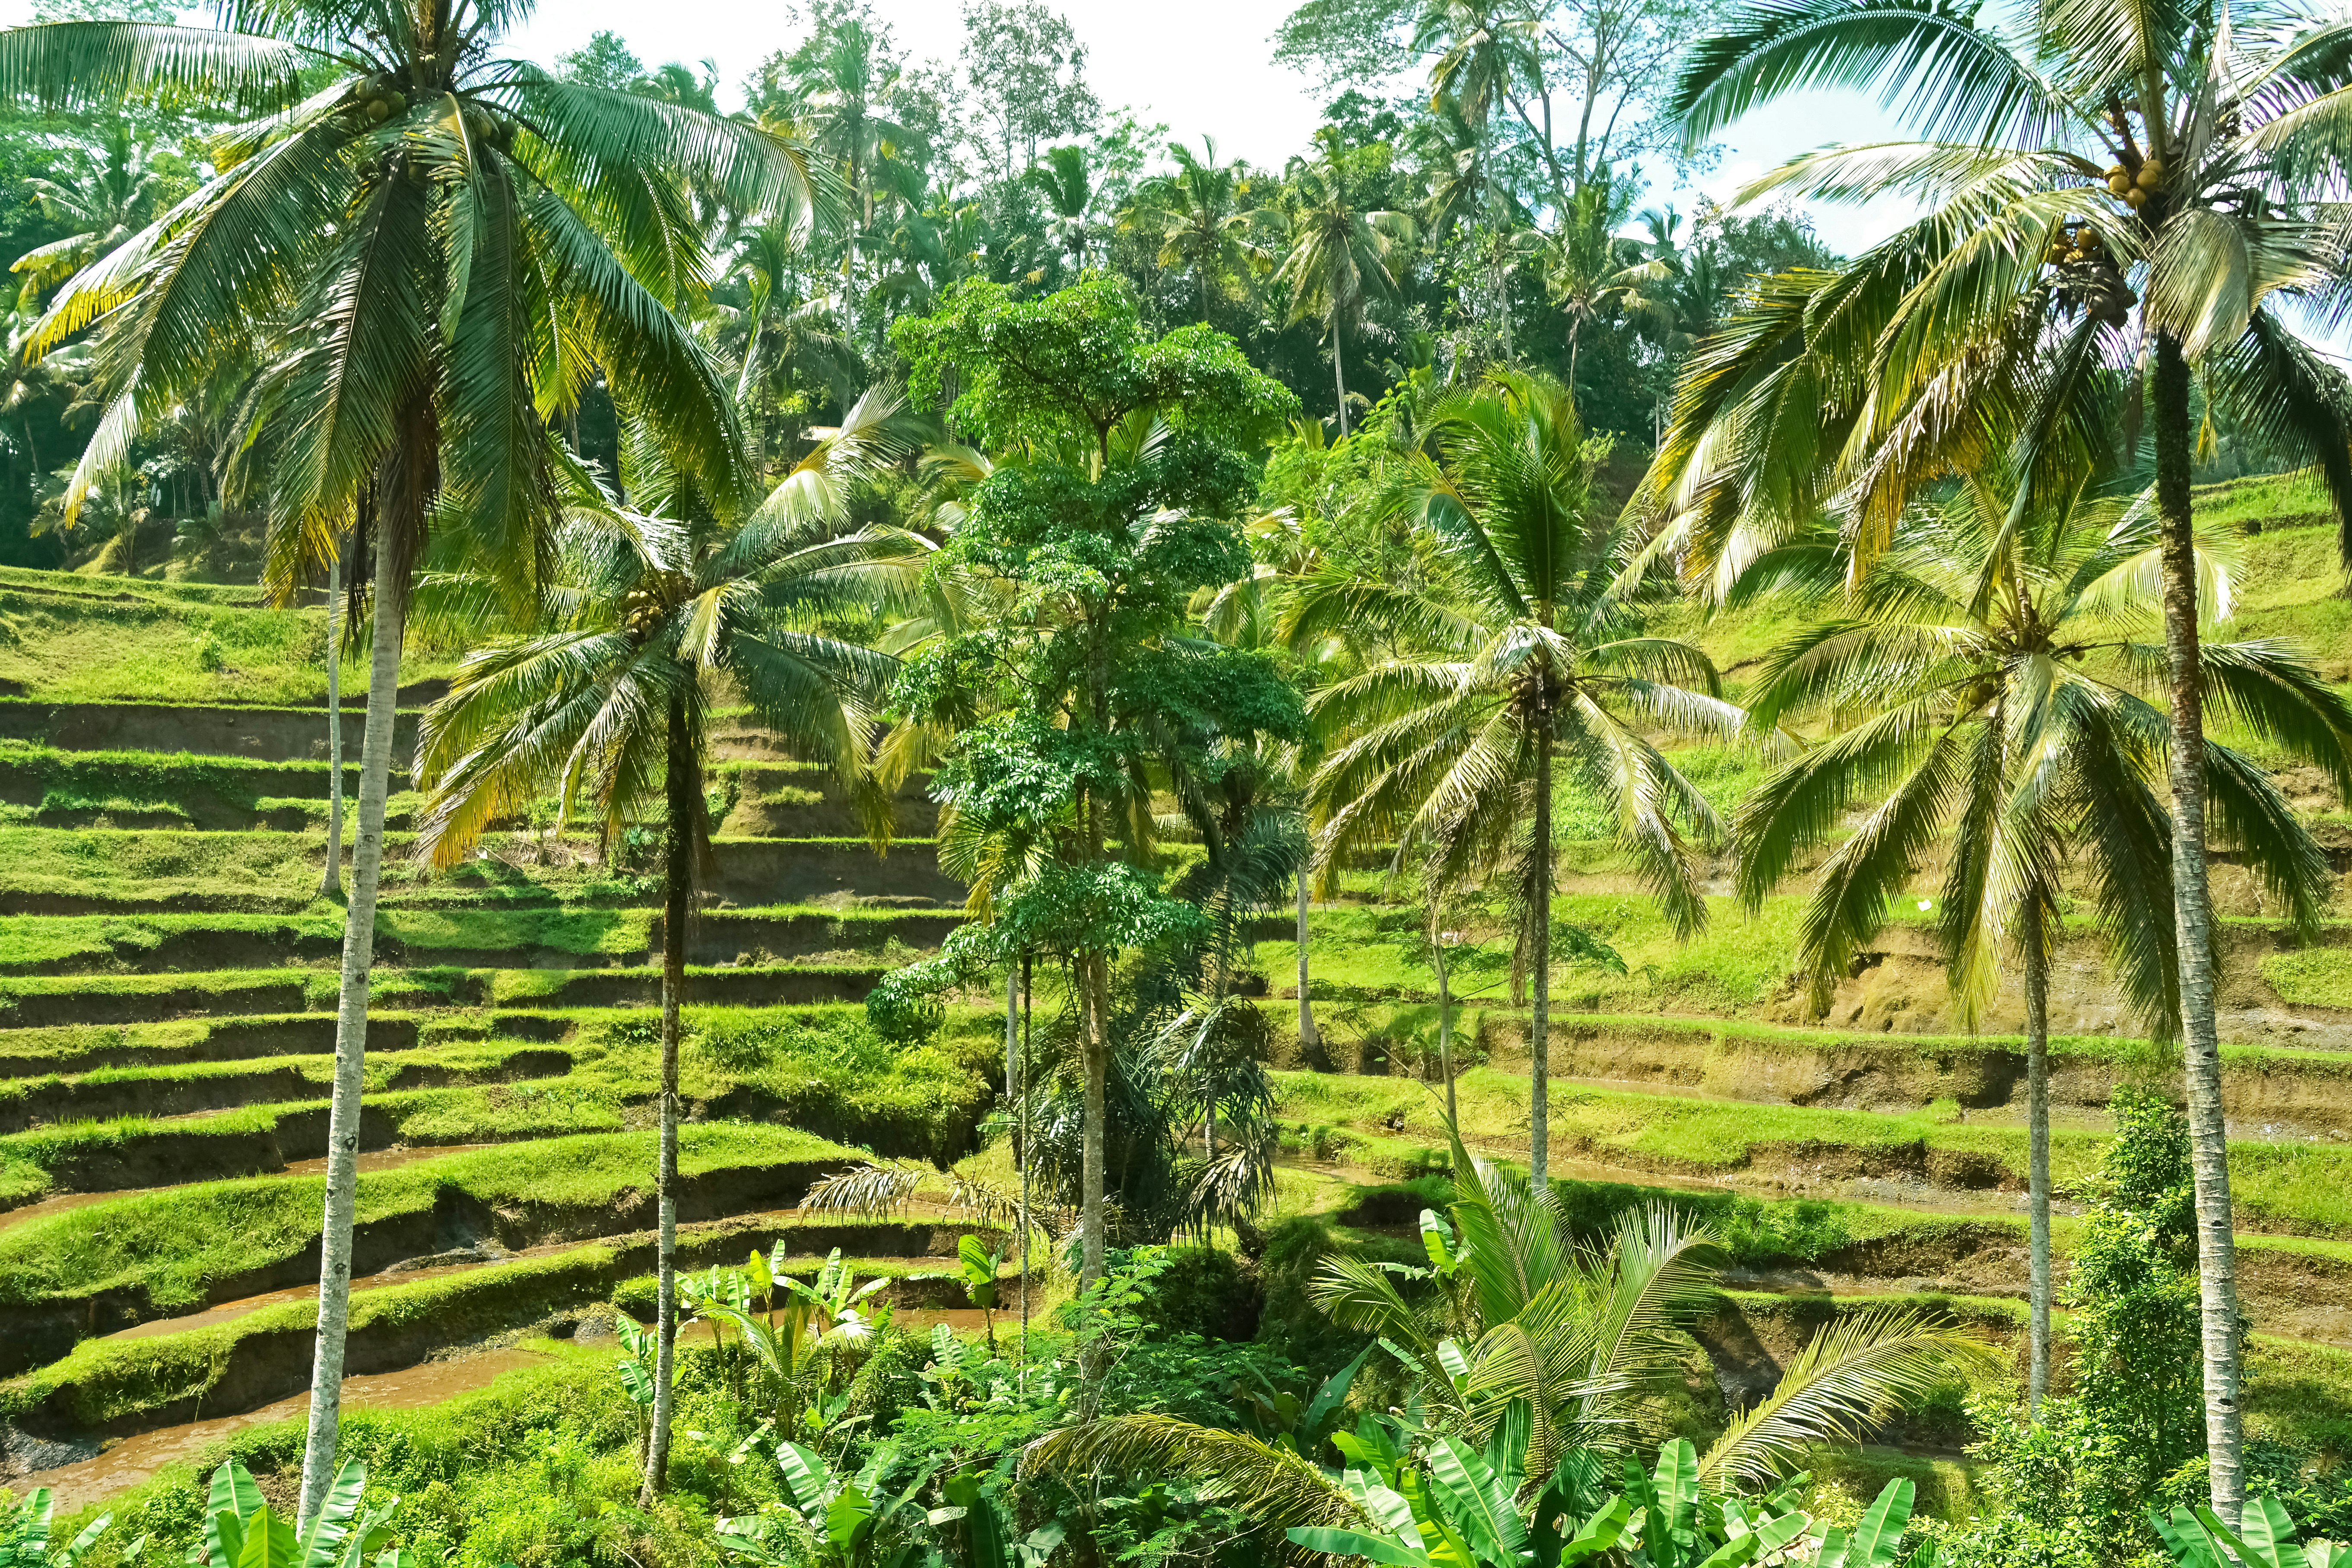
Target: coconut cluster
[2088, 278]
[2136, 189]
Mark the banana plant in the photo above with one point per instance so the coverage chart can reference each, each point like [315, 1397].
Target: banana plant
[25, 1535]
[1680, 1526]
[1303, 1426]
[801, 1318]
[241, 1531]
[977, 1266]
[2264, 1539]
[851, 1519]
[1459, 1509]
[984, 1531]
[715, 1296]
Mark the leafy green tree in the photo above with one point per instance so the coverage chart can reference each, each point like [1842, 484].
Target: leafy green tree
[1026, 73]
[2093, 168]
[1063, 697]
[1339, 252]
[609, 709]
[1522, 649]
[395, 243]
[1995, 653]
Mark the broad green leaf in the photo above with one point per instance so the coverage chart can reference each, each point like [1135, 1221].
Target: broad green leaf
[807, 1478]
[324, 1540]
[1598, 1533]
[846, 1518]
[1880, 1533]
[269, 1542]
[1354, 1543]
[2271, 1533]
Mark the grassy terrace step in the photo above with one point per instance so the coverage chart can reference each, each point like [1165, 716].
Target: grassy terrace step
[2266, 1089]
[58, 788]
[93, 1270]
[819, 1068]
[68, 871]
[123, 1385]
[559, 937]
[78, 1048]
[1395, 1125]
[48, 1001]
[192, 1087]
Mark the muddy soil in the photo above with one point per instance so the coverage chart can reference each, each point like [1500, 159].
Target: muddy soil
[135, 1460]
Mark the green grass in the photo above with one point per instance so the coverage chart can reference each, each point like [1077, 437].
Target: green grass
[2313, 977]
[78, 639]
[2304, 1189]
[820, 1068]
[1739, 960]
[171, 1249]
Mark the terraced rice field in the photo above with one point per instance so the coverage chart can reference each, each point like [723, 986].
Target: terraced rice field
[166, 979]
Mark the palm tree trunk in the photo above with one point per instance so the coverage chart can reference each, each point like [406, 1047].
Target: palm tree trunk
[677, 900]
[1539, 955]
[1310, 1038]
[2192, 904]
[1445, 1020]
[1011, 1030]
[1022, 1151]
[331, 886]
[1338, 376]
[2037, 1119]
[351, 1041]
[1094, 1006]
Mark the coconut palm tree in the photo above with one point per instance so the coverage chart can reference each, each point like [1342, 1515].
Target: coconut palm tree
[422, 247]
[1339, 252]
[1197, 215]
[1068, 183]
[2001, 657]
[1522, 1324]
[607, 706]
[1534, 651]
[2101, 180]
[107, 206]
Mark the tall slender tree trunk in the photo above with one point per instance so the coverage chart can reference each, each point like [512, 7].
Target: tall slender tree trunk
[2192, 904]
[2037, 1121]
[680, 789]
[1027, 982]
[1338, 375]
[351, 1038]
[1445, 1018]
[1310, 1038]
[1094, 1004]
[1012, 1029]
[1539, 955]
[331, 885]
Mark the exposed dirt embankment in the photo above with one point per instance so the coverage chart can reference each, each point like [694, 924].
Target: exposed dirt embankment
[266, 734]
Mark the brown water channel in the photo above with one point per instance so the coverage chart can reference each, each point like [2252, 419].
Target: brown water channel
[136, 1459]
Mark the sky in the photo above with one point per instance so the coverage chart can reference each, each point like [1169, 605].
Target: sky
[1206, 68]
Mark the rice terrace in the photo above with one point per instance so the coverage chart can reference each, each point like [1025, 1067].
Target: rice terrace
[870, 818]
